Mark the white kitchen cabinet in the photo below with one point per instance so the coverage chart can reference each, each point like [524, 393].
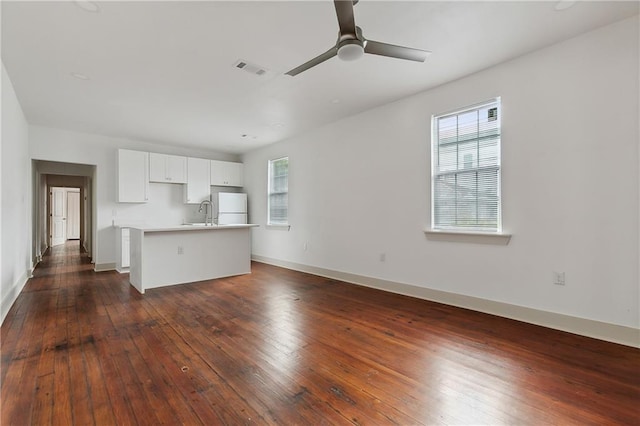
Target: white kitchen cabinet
[167, 168]
[125, 248]
[226, 173]
[133, 176]
[123, 255]
[177, 168]
[198, 187]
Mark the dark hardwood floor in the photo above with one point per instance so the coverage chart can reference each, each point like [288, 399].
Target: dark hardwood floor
[282, 347]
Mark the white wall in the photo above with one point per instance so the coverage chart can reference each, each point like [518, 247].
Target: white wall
[15, 229]
[360, 187]
[165, 204]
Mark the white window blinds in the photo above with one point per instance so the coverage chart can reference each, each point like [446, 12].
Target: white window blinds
[278, 192]
[466, 169]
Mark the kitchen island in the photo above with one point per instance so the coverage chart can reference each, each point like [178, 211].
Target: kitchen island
[164, 256]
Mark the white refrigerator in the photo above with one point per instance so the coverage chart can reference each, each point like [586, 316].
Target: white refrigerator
[232, 208]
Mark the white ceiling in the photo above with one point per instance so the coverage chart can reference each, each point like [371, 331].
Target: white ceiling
[163, 71]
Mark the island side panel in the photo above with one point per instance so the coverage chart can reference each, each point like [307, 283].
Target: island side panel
[178, 257]
[119, 267]
[136, 245]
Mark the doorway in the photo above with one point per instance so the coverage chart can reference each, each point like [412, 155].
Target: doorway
[64, 215]
[63, 206]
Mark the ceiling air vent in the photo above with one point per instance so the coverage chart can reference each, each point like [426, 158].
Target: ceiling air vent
[250, 68]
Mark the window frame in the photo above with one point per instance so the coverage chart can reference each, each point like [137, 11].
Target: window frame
[270, 167]
[435, 146]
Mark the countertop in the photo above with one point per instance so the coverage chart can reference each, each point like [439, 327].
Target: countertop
[190, 228]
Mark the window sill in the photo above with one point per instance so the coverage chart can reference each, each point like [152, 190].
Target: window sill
[499, 239]
[279, 227]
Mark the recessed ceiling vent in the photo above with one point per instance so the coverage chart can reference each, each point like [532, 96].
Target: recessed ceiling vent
[250, 68]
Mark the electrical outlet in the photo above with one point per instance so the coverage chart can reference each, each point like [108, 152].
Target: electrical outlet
[180, 250]
[305, 246]
[558, 278]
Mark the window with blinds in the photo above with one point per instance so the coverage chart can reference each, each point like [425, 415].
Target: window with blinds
[278, 209]
[466, 169]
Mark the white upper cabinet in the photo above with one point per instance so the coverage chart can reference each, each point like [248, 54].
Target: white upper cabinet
[157, 167]
[133, 176]
[198, 187]
[226, 173]
[167, 168]
[177, 169]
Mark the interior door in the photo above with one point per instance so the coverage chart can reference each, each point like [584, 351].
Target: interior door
[73, 215]
[58, 216]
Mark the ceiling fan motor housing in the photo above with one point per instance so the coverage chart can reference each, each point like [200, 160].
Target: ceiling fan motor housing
[350, 50]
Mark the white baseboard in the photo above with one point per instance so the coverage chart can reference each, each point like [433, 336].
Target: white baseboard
[628, 336]
[102, 267]
[122, 270]
[13, 293]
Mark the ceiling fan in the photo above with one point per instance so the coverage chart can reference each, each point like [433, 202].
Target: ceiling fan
[351, 44]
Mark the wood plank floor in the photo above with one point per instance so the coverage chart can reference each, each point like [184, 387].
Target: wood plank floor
[282, 347]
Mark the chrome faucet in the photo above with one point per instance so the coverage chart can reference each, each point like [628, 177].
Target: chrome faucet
[205, 205]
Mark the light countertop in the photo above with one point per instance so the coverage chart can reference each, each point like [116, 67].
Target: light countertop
[197, 227]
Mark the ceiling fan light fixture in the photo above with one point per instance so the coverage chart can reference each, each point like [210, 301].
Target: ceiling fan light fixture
[351, 44]
[350, 50]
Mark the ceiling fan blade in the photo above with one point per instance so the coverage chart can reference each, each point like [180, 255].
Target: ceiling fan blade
[346, 21]
[393, 51]
[315, 61]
